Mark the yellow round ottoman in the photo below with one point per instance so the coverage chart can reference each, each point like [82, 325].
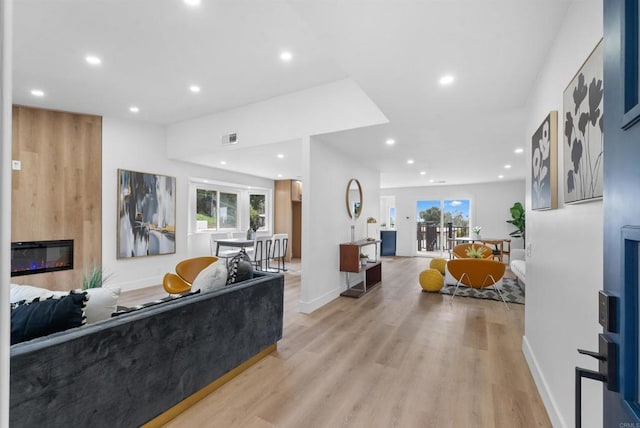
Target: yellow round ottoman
[438, 264]
[431, 280]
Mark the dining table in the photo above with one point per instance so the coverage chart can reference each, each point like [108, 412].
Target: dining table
[233, 242]
[497, 242]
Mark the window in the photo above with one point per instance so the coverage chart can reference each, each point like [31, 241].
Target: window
[257, 211]
[228, 210]
[206, 210]
[216, 210]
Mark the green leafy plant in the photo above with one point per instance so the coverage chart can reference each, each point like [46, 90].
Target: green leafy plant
[475, 253]
[517, 219]
[363, 256]
[95, 279]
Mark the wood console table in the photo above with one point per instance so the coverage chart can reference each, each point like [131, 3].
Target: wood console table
[350, 263]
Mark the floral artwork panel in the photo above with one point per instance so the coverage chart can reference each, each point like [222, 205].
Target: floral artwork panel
[583, 142]
[146, 214]
[544, 164]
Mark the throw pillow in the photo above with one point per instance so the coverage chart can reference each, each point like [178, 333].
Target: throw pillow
[211, 278]
[102, 303]
[31, 319]
[240, 268]
[28, 292]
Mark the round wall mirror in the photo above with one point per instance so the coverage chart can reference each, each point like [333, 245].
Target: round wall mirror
[354, 198]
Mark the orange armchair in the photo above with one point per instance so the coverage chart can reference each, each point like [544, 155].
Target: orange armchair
[186, 271]
[477, 273]
[460, 251]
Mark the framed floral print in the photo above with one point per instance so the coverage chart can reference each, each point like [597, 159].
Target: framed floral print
[583, 132]
[544, 164]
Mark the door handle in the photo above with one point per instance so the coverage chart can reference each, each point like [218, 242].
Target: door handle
[607, 373]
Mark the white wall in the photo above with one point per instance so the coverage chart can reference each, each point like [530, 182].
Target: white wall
[325, 222]
[140, 146]
[327, 108]
[5, 196]
[564, 270]
[489, 206]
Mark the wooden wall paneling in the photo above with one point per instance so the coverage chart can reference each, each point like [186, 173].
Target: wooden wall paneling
[282, 211]
[58, 192]
[296, 229]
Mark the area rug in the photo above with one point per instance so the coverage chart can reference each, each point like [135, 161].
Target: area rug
[511, 292]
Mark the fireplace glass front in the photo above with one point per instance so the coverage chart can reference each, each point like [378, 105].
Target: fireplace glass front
[41, 256]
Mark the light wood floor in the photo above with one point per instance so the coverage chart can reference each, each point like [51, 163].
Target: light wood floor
[394, 358]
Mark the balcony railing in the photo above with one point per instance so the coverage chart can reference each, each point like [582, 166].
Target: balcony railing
[432, 237]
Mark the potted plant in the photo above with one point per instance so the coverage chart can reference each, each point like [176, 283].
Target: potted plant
[517, 219]
[476, 232]
[95, 279]
[363, 259]
[475, 253]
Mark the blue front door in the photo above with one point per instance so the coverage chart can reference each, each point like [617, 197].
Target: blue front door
[622, 204]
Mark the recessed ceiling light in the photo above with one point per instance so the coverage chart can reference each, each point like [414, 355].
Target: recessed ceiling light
[286, 56]
[507, 166]
[432, 180]
[410, 161]
[501, 176]
[279, 175]
[518, 150]
[223, 162]
[446, 80]
[280, 156]
[390, 142]
[192, 2]
[37, 93]
[93, 60]
[134, 109]
[423, 172]
[194, 88]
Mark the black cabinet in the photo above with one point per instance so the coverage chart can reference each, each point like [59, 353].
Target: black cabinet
[388, 246]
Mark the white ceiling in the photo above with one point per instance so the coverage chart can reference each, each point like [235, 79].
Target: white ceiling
[152, 50]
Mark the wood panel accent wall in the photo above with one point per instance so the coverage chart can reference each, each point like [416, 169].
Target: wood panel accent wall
[296, 230]
[288, 214]
[58, 192]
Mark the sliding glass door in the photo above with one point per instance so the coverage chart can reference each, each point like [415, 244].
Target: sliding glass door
[439, 222]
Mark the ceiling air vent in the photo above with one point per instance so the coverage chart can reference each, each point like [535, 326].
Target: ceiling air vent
[229, 139]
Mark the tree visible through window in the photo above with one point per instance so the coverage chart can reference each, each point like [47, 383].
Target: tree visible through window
[228, 210]
[257, 211]
[206, 202]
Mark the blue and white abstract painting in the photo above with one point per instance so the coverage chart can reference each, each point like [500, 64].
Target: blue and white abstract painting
[146, 214]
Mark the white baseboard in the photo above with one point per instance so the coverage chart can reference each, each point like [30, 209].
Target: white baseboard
[543, 388]
[317, 303]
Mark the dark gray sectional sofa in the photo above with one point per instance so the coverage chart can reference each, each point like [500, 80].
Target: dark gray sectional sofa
[125, 371]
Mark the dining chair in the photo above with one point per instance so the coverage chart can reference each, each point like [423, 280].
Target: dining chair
[223, 253]
[276, 251]
[506, 249]
[477, 273]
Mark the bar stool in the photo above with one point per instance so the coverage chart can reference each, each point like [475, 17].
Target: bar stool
[256, 253]
[276, 251]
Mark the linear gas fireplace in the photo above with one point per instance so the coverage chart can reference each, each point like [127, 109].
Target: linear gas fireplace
[41, 256]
